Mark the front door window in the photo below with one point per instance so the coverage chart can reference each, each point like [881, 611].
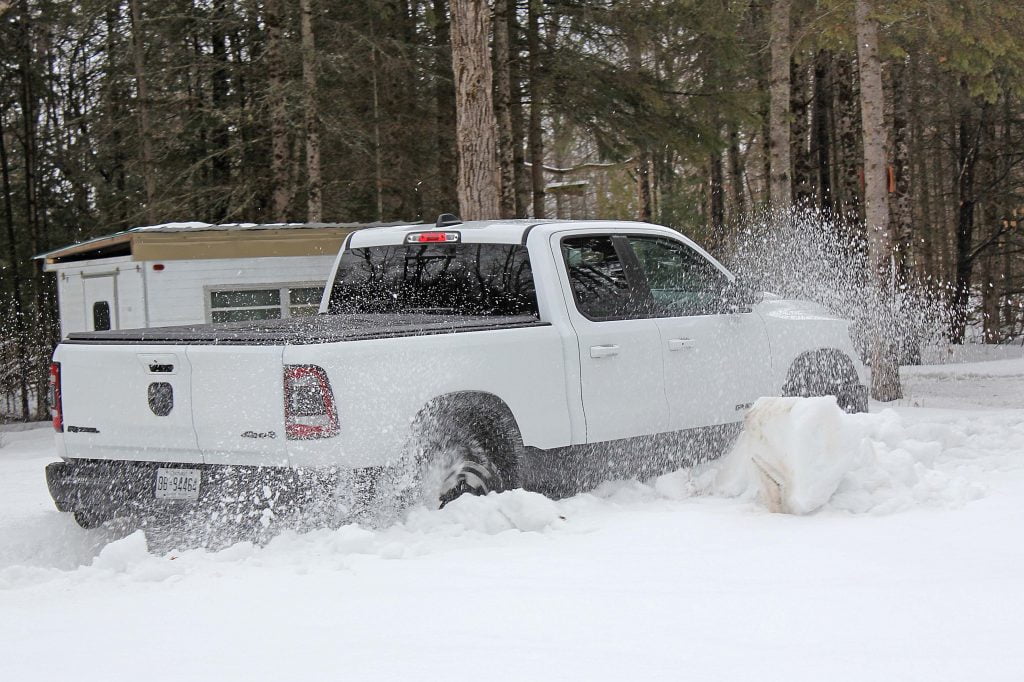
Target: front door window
[682, 282]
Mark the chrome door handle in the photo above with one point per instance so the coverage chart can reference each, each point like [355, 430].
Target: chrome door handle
[681, 344]
[603, 351]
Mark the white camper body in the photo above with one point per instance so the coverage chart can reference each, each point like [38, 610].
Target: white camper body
[118, 293]
[193, 273]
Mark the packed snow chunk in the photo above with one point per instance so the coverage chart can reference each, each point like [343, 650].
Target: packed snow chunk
[489, 514]
[793, 453]
[124, 554]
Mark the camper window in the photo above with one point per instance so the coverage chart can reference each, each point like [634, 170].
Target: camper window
[100, 316]
[264, 303]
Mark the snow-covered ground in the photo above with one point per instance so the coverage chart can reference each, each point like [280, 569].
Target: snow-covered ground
[912, 570]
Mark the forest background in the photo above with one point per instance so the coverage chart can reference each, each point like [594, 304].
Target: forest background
[899, 124]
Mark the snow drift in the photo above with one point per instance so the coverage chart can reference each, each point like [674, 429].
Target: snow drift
[798, 455]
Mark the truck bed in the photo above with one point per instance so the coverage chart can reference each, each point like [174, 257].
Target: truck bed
[306, 330]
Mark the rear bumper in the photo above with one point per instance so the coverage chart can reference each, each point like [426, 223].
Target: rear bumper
[113, 489]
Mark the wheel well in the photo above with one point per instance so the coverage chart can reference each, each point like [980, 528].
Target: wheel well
[484, 415]
[820, 372]
[470, 407]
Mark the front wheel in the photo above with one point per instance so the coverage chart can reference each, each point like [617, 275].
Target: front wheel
[827, 373]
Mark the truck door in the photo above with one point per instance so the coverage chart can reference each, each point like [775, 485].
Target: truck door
[100, 296]
[717, 362]
[621, 370]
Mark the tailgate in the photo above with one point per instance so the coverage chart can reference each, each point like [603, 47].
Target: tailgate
[238, 404]
[127, 402]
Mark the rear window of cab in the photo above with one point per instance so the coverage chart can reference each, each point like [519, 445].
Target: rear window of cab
[435, 279]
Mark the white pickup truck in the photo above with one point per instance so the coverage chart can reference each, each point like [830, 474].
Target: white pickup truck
[463, 357]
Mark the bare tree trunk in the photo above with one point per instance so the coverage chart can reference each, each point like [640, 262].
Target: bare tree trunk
[821, 119]
[780, 183]
[17, 309]
[1013, 220]
[378, 157]
[536, 136]
[924, 215]
[139, 60]
[523, 179]
[736, 188]
[848, 182]
[643, 186]
[475, 125]
[902, 214]
[220, 138]
[444, 99]
[716, 183]
[970, 136]
[800, 100]
[885, 377]
[503, 109]
[279, 150]
[314, 198]
[990, 291]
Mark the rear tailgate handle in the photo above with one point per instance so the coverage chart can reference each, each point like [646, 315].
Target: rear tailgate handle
[681, 344]
[159, 363]
[604, 351]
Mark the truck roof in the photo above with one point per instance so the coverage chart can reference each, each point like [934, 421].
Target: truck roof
[505, 231]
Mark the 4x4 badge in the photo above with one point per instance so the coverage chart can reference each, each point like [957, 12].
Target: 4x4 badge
[259, 434]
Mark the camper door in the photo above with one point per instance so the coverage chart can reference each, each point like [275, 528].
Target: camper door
[100, 295]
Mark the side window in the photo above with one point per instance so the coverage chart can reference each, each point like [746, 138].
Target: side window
[682, 281]
[598, 278]
[101, 316]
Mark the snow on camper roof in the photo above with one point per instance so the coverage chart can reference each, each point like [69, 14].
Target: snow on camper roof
[192, 240]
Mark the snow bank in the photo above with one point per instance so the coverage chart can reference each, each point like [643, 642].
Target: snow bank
[798, 455]
[465, 521]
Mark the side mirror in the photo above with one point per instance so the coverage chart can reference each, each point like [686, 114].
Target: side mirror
[739, 295]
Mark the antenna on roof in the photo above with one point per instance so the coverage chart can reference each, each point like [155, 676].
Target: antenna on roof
[447, 220]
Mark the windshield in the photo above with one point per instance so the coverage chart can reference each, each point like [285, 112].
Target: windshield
[439, 279]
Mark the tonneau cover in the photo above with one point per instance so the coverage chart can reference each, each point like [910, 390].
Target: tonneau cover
[306, 330]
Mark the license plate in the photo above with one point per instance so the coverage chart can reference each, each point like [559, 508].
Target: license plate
[177, 484]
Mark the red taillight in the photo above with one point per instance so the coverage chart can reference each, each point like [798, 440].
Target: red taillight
[56, 410]
[309, 408]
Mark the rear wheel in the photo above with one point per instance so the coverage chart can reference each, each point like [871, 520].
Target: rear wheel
[455, 465]
[463, 445]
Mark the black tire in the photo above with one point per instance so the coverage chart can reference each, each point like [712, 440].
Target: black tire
[458, 460]
[88, 519]
[464, 447]
[825, 373]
